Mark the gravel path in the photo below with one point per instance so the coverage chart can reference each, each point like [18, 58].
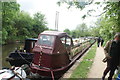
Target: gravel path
[98, 66]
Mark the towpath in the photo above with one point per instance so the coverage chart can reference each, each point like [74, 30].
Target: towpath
[98, 66]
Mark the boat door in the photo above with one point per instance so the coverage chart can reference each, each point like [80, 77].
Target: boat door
[67, 42]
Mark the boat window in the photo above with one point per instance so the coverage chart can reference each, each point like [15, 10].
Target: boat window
[68, 41]
[63, 40]
[32, 44]
[46, 40]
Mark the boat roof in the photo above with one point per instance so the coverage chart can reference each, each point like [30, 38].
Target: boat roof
[54, 33]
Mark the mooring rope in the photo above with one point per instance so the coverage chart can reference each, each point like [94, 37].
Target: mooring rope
[52, 75]
[23, 58]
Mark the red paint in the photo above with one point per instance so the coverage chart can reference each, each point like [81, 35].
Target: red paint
[51, 54]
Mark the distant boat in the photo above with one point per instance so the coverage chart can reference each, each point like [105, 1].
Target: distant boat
[24, 56]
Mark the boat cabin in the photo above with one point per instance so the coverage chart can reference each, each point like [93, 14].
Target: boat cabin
[29, 44]
[52, 49]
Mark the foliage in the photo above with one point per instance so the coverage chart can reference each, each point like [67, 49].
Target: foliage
[39, 23]
[110, 21]
[108, 24]
[94, 32]
[80, 4]
[77, 3]
[9, 12]
[19, 25]
[67, 31]
[23, 24]
[80, 31]
[74, 33]
[0, 37]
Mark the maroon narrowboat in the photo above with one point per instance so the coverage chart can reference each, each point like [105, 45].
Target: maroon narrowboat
[51, 54]
[54, 53]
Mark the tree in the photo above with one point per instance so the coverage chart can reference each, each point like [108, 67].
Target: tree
[94, 31]
[39, 23]
[81, 30]
[19, 25]
[0, 38]
[67, 31]
[74, 34]
[24, 25]
[110, 21]
[9, 13]
[110, 17]
[77, 3]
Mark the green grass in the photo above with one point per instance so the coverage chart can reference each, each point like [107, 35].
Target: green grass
[82, 70]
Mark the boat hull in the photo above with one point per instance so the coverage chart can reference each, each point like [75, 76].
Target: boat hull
[18, 59]
[56, 73]
[49, 73]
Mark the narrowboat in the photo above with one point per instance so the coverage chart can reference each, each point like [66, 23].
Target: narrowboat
[23, 56]
[52, 54]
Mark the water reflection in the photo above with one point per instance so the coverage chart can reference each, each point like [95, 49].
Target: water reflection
[6, 49]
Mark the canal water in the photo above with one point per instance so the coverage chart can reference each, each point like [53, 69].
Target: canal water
[6, 49]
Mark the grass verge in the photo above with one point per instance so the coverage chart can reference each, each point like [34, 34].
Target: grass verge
[83, 68]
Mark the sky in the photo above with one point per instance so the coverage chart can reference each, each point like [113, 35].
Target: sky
[68, 18]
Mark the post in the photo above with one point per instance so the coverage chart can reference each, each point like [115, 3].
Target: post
[56, 20]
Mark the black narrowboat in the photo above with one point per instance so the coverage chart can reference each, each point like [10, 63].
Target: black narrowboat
[22, 56]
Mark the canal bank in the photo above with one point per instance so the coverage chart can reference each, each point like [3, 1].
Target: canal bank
[98, 66]
[82, 66]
